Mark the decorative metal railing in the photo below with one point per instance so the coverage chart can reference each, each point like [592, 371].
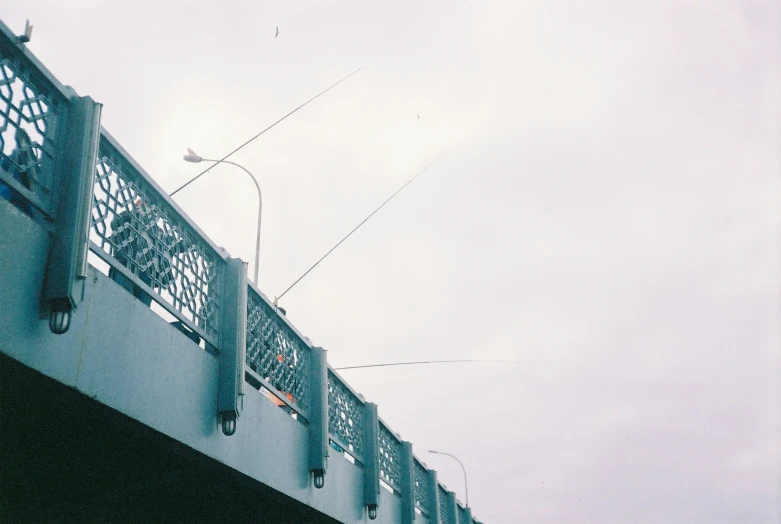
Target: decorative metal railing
[420, 476]
[390, 458]
[463, 518]
[277, 356]
[150, 243]
[345, 416]
[138, 231]
[444, 513]
[30, 111]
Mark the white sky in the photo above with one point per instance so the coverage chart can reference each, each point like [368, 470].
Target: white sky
[607, 216]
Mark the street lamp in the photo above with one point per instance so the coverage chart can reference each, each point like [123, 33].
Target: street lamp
[195, 159]
[466, 490]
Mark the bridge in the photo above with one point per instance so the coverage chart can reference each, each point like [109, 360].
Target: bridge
[143, 378]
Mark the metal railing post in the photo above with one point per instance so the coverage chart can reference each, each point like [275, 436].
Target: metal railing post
[318, 415]
[433, 497]
[371, 456]
[407, 483]
[233, 343]
[452, 507]
[66, 268]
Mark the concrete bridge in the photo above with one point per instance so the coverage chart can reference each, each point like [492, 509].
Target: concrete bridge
[142, 377]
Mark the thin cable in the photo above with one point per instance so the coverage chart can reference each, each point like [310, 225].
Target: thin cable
[359, 225]
[425, 362]
[269, 127]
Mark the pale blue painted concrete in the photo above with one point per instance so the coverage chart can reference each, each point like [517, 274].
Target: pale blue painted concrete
[124, 355]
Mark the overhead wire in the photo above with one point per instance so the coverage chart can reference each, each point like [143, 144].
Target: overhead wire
[424, 362]
[358, 226]
[196, 177]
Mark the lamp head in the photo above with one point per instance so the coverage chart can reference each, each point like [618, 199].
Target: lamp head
[192, 158]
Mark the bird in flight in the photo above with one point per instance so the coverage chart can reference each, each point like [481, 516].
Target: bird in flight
[276, 35]
[418, 116]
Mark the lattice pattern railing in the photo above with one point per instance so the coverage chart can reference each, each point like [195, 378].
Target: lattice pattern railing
[390, 458]
[420, 475]
[29, 114]
[345, 416]
[462, 516]
[135, 227]
[444, 514]
[275, 352]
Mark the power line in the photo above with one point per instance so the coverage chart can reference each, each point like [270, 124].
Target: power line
[425, 362]
[359, 225]
[256, 136]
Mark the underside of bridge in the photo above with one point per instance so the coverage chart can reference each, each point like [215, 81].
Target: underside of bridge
[67, 458]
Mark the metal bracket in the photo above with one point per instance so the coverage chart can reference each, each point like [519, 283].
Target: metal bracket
[233, 343]
[371, 456]
[66, 268]
[407, 483]
[318, 415]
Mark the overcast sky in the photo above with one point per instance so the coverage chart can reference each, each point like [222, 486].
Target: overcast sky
[606, 216]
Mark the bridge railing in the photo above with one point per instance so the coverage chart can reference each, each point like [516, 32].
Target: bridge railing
[463, 515]
[153, 245]
[422, 490]
[444, 506]
[154, 249]
[346, 417]
[277, 356]
[145, 238]
[390, 458]
[32, 107]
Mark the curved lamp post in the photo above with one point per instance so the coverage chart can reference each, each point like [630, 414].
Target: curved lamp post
[466, 490]
[196, 159]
